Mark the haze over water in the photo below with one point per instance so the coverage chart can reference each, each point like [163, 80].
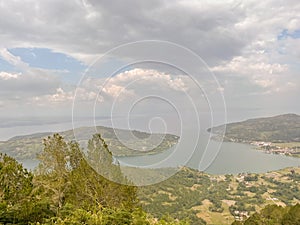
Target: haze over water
[208, 155]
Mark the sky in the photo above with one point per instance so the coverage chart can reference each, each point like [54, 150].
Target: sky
[88, 58]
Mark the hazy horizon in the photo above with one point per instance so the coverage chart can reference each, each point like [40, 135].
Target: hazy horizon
[10, 127]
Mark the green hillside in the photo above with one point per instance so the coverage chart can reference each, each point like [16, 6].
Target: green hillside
[274, 215]
[219, 199]
[27, 147]
[65, 189]
[278, 129]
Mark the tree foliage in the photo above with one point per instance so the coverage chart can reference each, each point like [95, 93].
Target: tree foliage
[274, 215]
[69, 187]
[19, 204]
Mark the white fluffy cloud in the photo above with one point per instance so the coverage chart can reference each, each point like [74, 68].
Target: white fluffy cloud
[8, 76]
[122, 87]
[151, 78]
[257, 70]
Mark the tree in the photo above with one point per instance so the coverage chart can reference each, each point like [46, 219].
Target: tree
[117, 189]
[53, 170]
[275, 215]
[15, 181]
[293, 216]
[272, 214]
[255, 219]
[65, 189]
[237, 223]
[102, 161]
[19, 205]
[68, 176]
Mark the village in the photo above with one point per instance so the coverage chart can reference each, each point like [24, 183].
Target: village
[278, 148]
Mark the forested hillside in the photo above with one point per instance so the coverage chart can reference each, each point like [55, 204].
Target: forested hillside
[65, 189]
[274, 215]
[282, 128]
[28, 146]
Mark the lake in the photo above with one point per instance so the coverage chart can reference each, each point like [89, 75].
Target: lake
[232, 158]
[203, 154]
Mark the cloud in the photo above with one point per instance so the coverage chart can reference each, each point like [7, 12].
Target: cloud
[59, 97]
[262, 76]
[238, 39]
[218, 31]
[8, 76]
[214, 29]
[13, 60]
[257, 65]
[122, 87]
[27, 82]
[291, 49]
[83, 28]
[135, 83]
[151, 78]
[20, 86]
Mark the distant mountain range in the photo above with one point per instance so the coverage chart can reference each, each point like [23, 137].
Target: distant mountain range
[120, 142]
[279, 129]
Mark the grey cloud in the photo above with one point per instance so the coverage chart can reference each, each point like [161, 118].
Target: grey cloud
[27, 85]
[93, 27]
[206, 29]
[218, 31]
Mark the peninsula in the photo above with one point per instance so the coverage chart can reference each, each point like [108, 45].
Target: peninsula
[277, 134]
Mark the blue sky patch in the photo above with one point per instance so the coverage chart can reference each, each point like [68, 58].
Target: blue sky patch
[47, 59]
[285, 34]
[295, 34]
[5, 66]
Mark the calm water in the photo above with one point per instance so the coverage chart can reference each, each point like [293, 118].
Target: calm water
[203, 154]
[236, 158]
[232, 158]
[219, 158]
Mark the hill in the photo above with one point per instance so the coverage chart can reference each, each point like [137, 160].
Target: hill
[274, 214]
[27, 146]
[219, 199]
[189, 194]
[277, 129]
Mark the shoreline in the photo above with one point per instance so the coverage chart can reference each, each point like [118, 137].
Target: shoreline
[266, 146]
